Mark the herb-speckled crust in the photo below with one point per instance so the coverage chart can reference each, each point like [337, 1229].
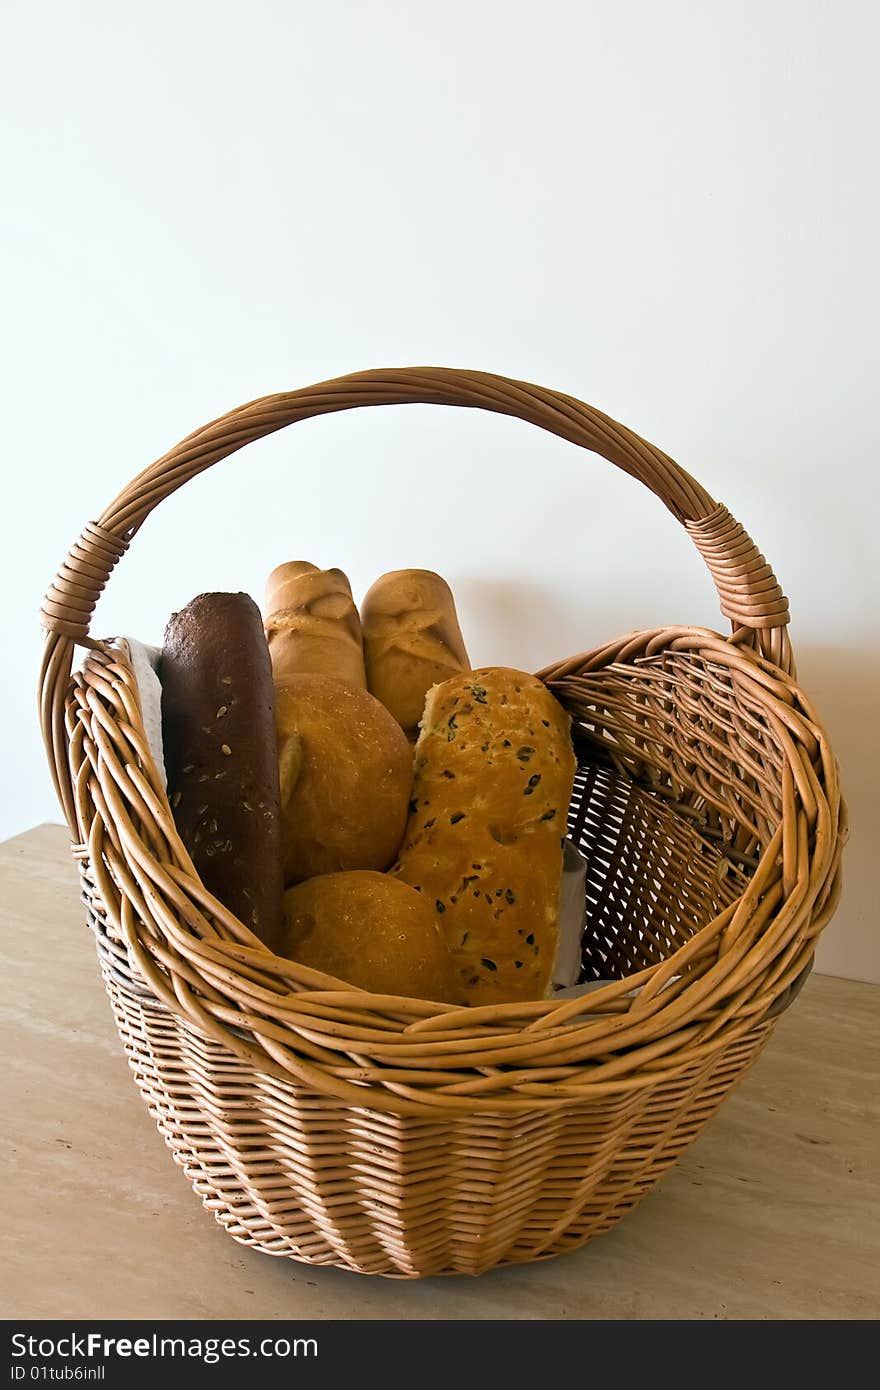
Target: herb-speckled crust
[493, 779]
[218, 728]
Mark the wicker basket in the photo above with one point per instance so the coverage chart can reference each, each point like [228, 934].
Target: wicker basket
[384, 1135]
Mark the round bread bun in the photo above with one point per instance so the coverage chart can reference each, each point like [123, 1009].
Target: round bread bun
[346, 771]
[369, 930]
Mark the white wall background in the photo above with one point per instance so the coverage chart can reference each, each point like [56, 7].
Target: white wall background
[669, 210]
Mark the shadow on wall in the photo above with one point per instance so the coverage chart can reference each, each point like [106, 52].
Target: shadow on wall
[843, 684]
[528, 625]
[524, 625]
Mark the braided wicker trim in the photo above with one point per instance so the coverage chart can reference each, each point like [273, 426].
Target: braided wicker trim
[68, 606]
[750, 595]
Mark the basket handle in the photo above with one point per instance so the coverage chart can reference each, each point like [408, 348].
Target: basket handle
[750, 596]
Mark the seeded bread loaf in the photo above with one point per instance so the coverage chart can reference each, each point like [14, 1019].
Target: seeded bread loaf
[312, 623]
[370, 930]
[484, 841]
[218, 731]
[412, 641]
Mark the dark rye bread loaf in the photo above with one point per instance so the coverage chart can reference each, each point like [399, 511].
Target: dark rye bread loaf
[218, 727]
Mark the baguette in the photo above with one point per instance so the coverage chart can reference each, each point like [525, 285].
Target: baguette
[312, 624]
[412, 641]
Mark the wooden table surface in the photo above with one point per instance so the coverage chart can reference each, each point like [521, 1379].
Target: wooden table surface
[772, 1214]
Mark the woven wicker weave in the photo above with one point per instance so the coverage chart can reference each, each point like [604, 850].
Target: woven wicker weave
[389, 1136]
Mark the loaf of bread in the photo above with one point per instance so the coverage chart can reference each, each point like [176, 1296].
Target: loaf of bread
[312, 623]
[494, 771]
[369, 930]
[346, 776]
[218, 732]
[412, 641]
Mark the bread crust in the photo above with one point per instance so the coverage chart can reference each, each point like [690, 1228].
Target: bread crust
[312, 623]
[494, 771]
[412, 641]
[369, 930]
[346, 777]
[218, 731]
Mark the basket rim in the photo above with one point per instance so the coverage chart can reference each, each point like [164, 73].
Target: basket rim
[414, 1056]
